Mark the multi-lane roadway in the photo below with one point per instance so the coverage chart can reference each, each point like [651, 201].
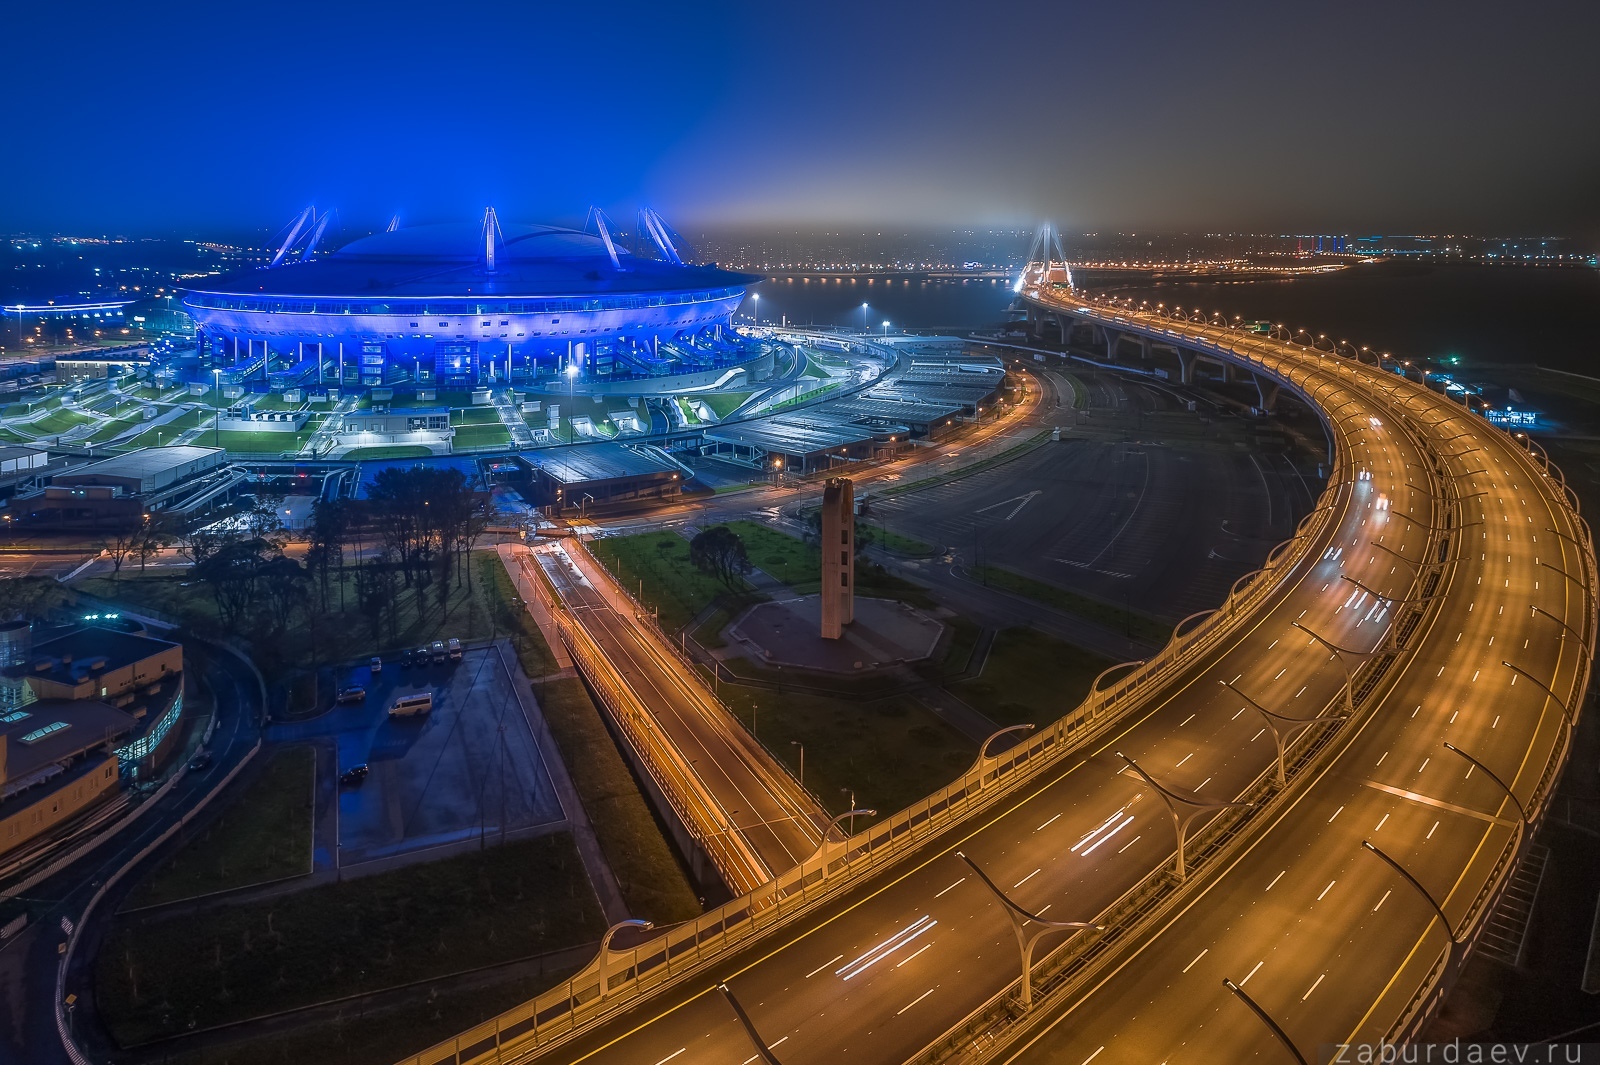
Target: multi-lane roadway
[1332, 941]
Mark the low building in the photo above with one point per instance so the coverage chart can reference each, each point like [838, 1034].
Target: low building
[403, 420]
[57, 759]
[145, 471]
[576, 478]
[94, 366]
[100, 663]
[247, 419]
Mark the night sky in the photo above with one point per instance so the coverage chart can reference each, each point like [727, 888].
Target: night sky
[1333, 117]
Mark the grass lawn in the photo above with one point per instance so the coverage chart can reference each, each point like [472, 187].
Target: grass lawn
[398, 451]
[891, 751]
[374, 1036]
[58, 422]
[799, 564]
[1030, 676]
[259, 442]
[419, 922]
[671, 583]
[494, 435]
[167, 432]
[901, 545]
[113, 428]
[648, 871]
[476, 416]
[1140, 626]
[723, 404]
[263, 834]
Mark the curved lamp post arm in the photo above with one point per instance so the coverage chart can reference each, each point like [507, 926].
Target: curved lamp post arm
[1521, 812]
[1266, 1019]
[1416, 884]
[762, 1051]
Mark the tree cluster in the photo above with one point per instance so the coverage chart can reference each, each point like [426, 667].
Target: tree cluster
[720, 552]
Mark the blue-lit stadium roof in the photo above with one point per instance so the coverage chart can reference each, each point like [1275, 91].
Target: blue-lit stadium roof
[448, 260]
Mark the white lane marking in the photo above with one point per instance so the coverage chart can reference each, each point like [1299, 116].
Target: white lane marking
[1382, 823]
[1091, 1057]
[1197, 957]
[1432, 830]
[1130, 843]
[1027, 878]
[1383, 900]
[672, 1055]
[1326, 890]
[952, 887]
[912, 955]
[1312, 988]
[913, 1002]
[823, 966]
[1382, 756]
[1336, 813]
[1185, 758]
[1424, 764]
[1276, 879]
[1257, 736]
[1047, 824]
[1257, 969]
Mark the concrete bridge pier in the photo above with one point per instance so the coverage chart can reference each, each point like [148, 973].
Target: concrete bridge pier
[1266, 393]
[1186, 361]
[1146, 346]
[1113, 339]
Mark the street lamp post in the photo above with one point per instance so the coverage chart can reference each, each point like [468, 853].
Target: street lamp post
[1338, 653]
[762, 1050]
[1266, 1019]
[1521, 810]
[1172, 800]
[1285, 737]
[755, 307]
[1416, 884]
[1026, 940]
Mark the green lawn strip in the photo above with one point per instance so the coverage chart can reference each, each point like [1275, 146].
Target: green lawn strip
[891, 751]
[958, 649]
[899, 543]
[723, 404]
[368, 1035]
[159, 977]
[375, 454]
[652, 879]
[476, 416]
[58, 422]
[671, 583]
[113, 428]
[257, 443]
[495, 435]
[263, 834]
[1030, 676]
[167, 432]
[1141, 626]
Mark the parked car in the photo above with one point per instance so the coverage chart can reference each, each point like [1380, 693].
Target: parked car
[407, 657]
[354, 775]
[376, 664]
[353, 694]
[200, 761]
[438, 652]
[423, 656]
[454, 648]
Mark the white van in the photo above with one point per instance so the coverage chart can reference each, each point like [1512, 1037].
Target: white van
[411, 705]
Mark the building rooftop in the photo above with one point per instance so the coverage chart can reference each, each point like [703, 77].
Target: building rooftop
[146, 463]
[50, 731]
[600, 462]
[81, 648]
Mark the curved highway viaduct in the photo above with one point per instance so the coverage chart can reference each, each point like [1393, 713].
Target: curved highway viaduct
[1455, 579]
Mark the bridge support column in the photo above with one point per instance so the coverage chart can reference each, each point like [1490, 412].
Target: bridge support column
[1266, 393]
[1113, 338]
[1145, 347]
[1186, 361]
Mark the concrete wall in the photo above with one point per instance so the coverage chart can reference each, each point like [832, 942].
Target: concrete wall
[24, 820]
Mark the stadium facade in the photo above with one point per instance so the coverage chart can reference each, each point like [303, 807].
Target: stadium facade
[469, 304]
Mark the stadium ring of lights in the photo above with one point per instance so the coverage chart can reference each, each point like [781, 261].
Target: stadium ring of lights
[467, 304]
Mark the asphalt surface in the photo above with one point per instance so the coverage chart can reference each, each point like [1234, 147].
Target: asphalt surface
[29, 962]
[884, 975]
[741, 788]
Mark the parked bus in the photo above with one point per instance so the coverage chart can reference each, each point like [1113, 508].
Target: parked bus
[413, 704]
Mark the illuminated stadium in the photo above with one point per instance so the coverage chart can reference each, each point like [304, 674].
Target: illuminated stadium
[479, 303]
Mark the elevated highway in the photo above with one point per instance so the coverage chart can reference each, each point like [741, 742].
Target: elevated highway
[1373, 635]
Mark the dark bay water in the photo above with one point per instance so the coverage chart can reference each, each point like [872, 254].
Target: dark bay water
[1483, 314]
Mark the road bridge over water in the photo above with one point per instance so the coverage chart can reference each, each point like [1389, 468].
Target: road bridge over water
[1443, 590]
